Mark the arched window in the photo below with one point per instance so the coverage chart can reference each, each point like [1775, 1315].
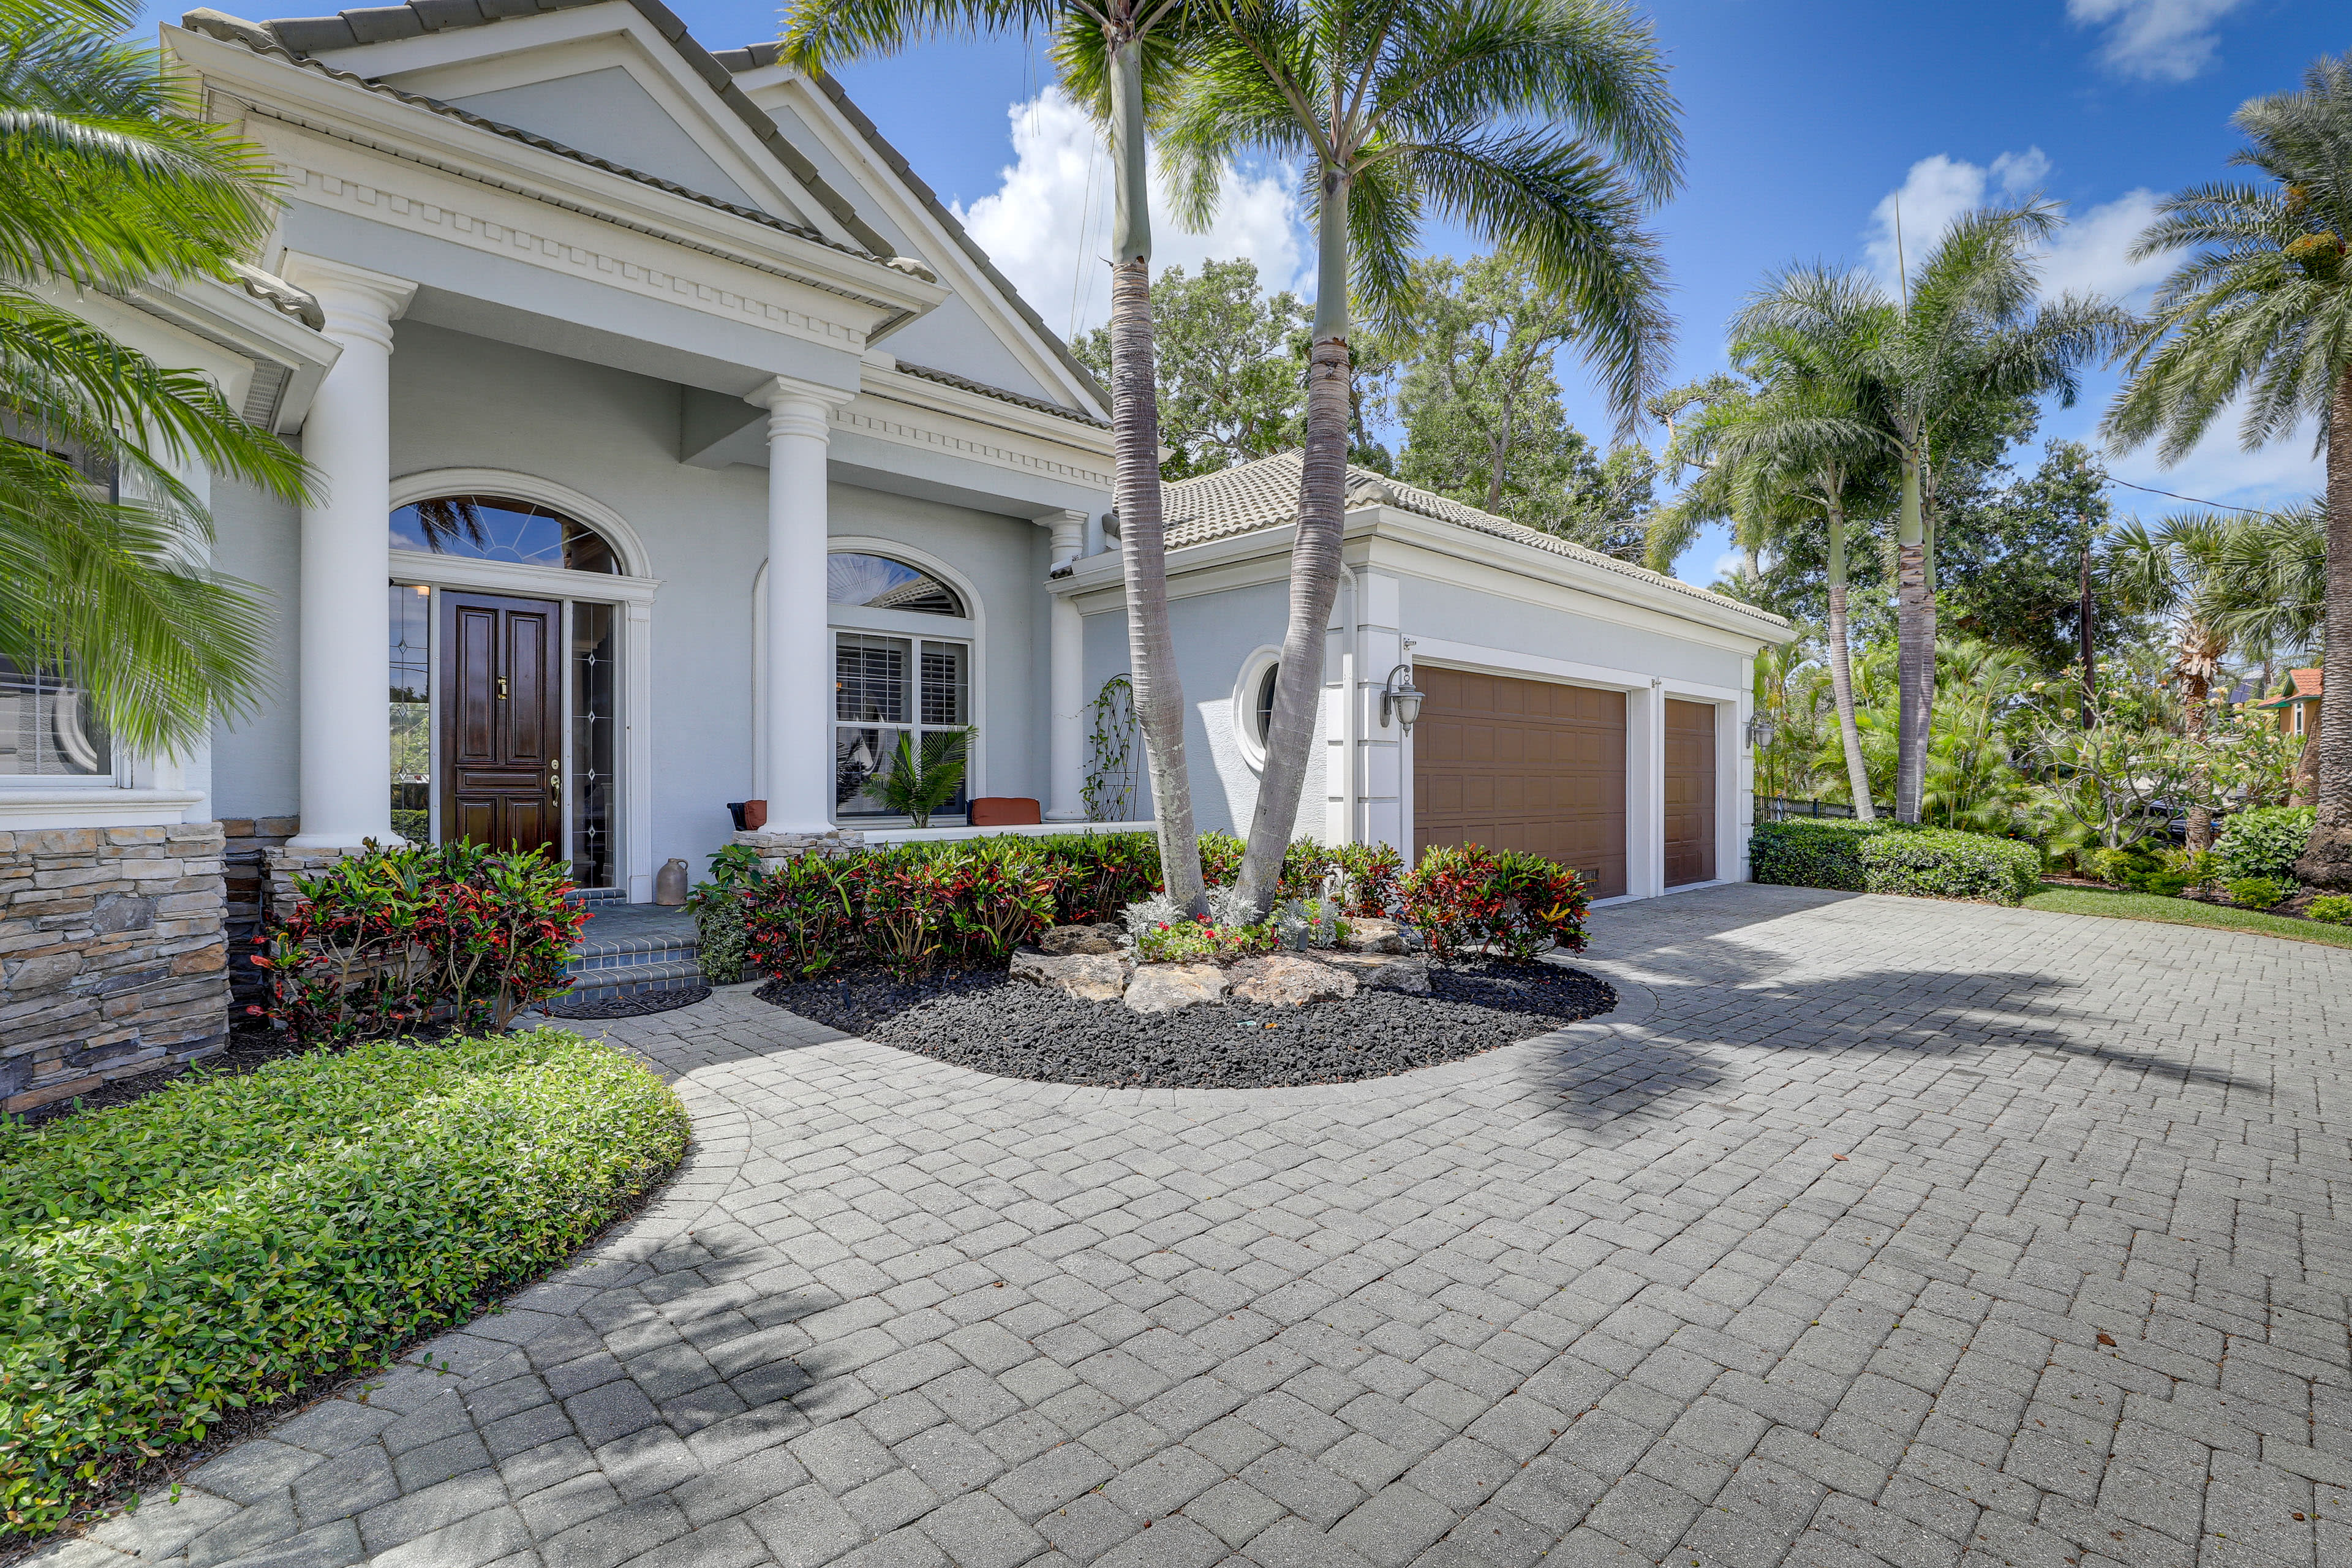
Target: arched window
[878, 583]
[892, 680]
[492, 528]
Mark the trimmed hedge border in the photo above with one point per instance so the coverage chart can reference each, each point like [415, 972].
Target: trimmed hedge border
[225, 1242]
[1855, 857]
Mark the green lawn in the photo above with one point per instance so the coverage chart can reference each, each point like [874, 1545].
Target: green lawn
[2124, 906]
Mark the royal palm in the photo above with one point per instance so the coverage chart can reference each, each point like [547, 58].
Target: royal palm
[1913, 363]
[1113, 54]
[1542, 127]
[2261, 314]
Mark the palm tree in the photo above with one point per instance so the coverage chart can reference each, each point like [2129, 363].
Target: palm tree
[1115, 56]
[2262, 311]
[1543, 127]
[1965, 332]
[109, 182]
[1782, 456]
[2175, 569]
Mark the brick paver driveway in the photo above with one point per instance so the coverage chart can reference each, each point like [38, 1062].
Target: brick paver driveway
[1868, 1230]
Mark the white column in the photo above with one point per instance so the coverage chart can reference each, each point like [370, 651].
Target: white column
[1645, 792]
[1067, 682]
[346, 749]
[799, 684]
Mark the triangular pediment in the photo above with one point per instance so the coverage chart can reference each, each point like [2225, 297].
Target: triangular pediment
[599, 79]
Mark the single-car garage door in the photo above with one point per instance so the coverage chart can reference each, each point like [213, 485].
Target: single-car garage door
[1522, 764]
[1690, 793]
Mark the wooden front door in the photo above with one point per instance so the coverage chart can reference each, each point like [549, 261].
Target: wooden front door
[501, 722]
[1690, 792]
[1522, 764]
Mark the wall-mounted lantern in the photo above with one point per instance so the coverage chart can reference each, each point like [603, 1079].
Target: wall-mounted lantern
[1401, 698]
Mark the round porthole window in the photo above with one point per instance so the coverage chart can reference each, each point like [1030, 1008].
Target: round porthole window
[1253, 703]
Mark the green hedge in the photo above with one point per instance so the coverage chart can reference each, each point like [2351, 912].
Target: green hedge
[1943, 863]
[1811, 852]
[226, 1241]
[1888, 858]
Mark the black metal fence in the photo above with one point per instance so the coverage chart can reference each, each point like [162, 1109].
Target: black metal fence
[1780, 808]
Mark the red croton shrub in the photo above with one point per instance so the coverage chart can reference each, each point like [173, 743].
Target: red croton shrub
[1512, 903]
[388, 940]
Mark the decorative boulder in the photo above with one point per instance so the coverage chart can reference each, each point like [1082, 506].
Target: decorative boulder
[1166, 987]
[1287, 979]
[1384, 970]
[1088, 977]
[1367, 933]
[1060, 941]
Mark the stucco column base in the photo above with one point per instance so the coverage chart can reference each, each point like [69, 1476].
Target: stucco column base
[779, 847]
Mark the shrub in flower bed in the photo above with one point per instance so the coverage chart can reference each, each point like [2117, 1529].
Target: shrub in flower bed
[722, 944]
[1516, 903]
[2330, 908]
[1944, 863]
[1884, 857]
[2256, 892]
[225, 1242]
[388, 940]
[2263, 842]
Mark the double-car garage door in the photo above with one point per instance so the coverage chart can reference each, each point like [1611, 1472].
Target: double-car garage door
[1539, 765]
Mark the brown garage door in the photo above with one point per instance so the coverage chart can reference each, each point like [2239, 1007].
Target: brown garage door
[1690, 793]
[1522, 764]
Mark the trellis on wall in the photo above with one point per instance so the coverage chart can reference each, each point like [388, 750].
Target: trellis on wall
[1113, 750]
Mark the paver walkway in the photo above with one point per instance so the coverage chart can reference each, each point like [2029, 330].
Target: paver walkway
[1869, 1230]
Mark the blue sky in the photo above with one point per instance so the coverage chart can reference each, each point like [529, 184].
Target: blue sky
[1804, 119]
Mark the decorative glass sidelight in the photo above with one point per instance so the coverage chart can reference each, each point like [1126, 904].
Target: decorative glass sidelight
[412, 711]
[595, 726]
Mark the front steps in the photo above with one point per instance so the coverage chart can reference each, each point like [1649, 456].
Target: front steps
[628, 950]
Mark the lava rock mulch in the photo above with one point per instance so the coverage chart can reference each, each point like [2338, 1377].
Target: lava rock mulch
[994, 1024]
[636, 1006]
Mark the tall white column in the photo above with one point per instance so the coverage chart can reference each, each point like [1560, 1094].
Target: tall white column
[1066, 756]
[799, 684]
[346, 749]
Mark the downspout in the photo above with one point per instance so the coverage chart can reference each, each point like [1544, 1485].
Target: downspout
[1351, 700]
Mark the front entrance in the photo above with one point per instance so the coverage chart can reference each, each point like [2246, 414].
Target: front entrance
[501, 720]
[1522, 764]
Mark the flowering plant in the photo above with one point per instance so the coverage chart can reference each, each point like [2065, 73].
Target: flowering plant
[1200, 940]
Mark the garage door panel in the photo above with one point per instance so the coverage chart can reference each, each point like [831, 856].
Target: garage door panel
[1690, 786]
[1523, 764]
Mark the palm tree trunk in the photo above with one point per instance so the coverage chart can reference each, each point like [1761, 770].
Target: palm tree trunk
[1857, 776]
[2326, 859]
[1159, 696]
[2194, 719]
[1314, 562]
[1914, 657]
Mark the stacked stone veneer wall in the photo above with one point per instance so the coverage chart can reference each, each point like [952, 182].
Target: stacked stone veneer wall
[246, 874]
[113, 956]
[776, 847]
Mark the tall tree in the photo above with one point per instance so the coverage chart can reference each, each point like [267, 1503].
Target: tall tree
[2174, 569]
[2261, 312]
[109, 180]
[1966, 329]
[1785, 458]
[1229, 386]
[1543, 127]
[2011, 560]
[1115, 56]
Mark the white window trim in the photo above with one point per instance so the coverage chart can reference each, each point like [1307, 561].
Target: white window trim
[632, 589]
[1246, 740]
[971, 628]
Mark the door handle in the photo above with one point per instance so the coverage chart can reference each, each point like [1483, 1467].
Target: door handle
[555, 784]
[502, 688]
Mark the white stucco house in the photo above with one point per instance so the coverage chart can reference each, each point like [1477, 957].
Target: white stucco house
[680, 448]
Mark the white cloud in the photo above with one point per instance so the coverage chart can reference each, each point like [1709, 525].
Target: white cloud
[2218, 469]
[1730, 563]
[2155, 40]
[1047, 224]
[2090, 255]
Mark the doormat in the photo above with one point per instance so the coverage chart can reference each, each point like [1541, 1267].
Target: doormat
[636, 1006]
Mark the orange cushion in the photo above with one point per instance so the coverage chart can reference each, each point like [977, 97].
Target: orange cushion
[1004, 811]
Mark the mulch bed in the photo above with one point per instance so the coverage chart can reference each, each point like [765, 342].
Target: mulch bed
[636, 1006]
[994, 1024]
